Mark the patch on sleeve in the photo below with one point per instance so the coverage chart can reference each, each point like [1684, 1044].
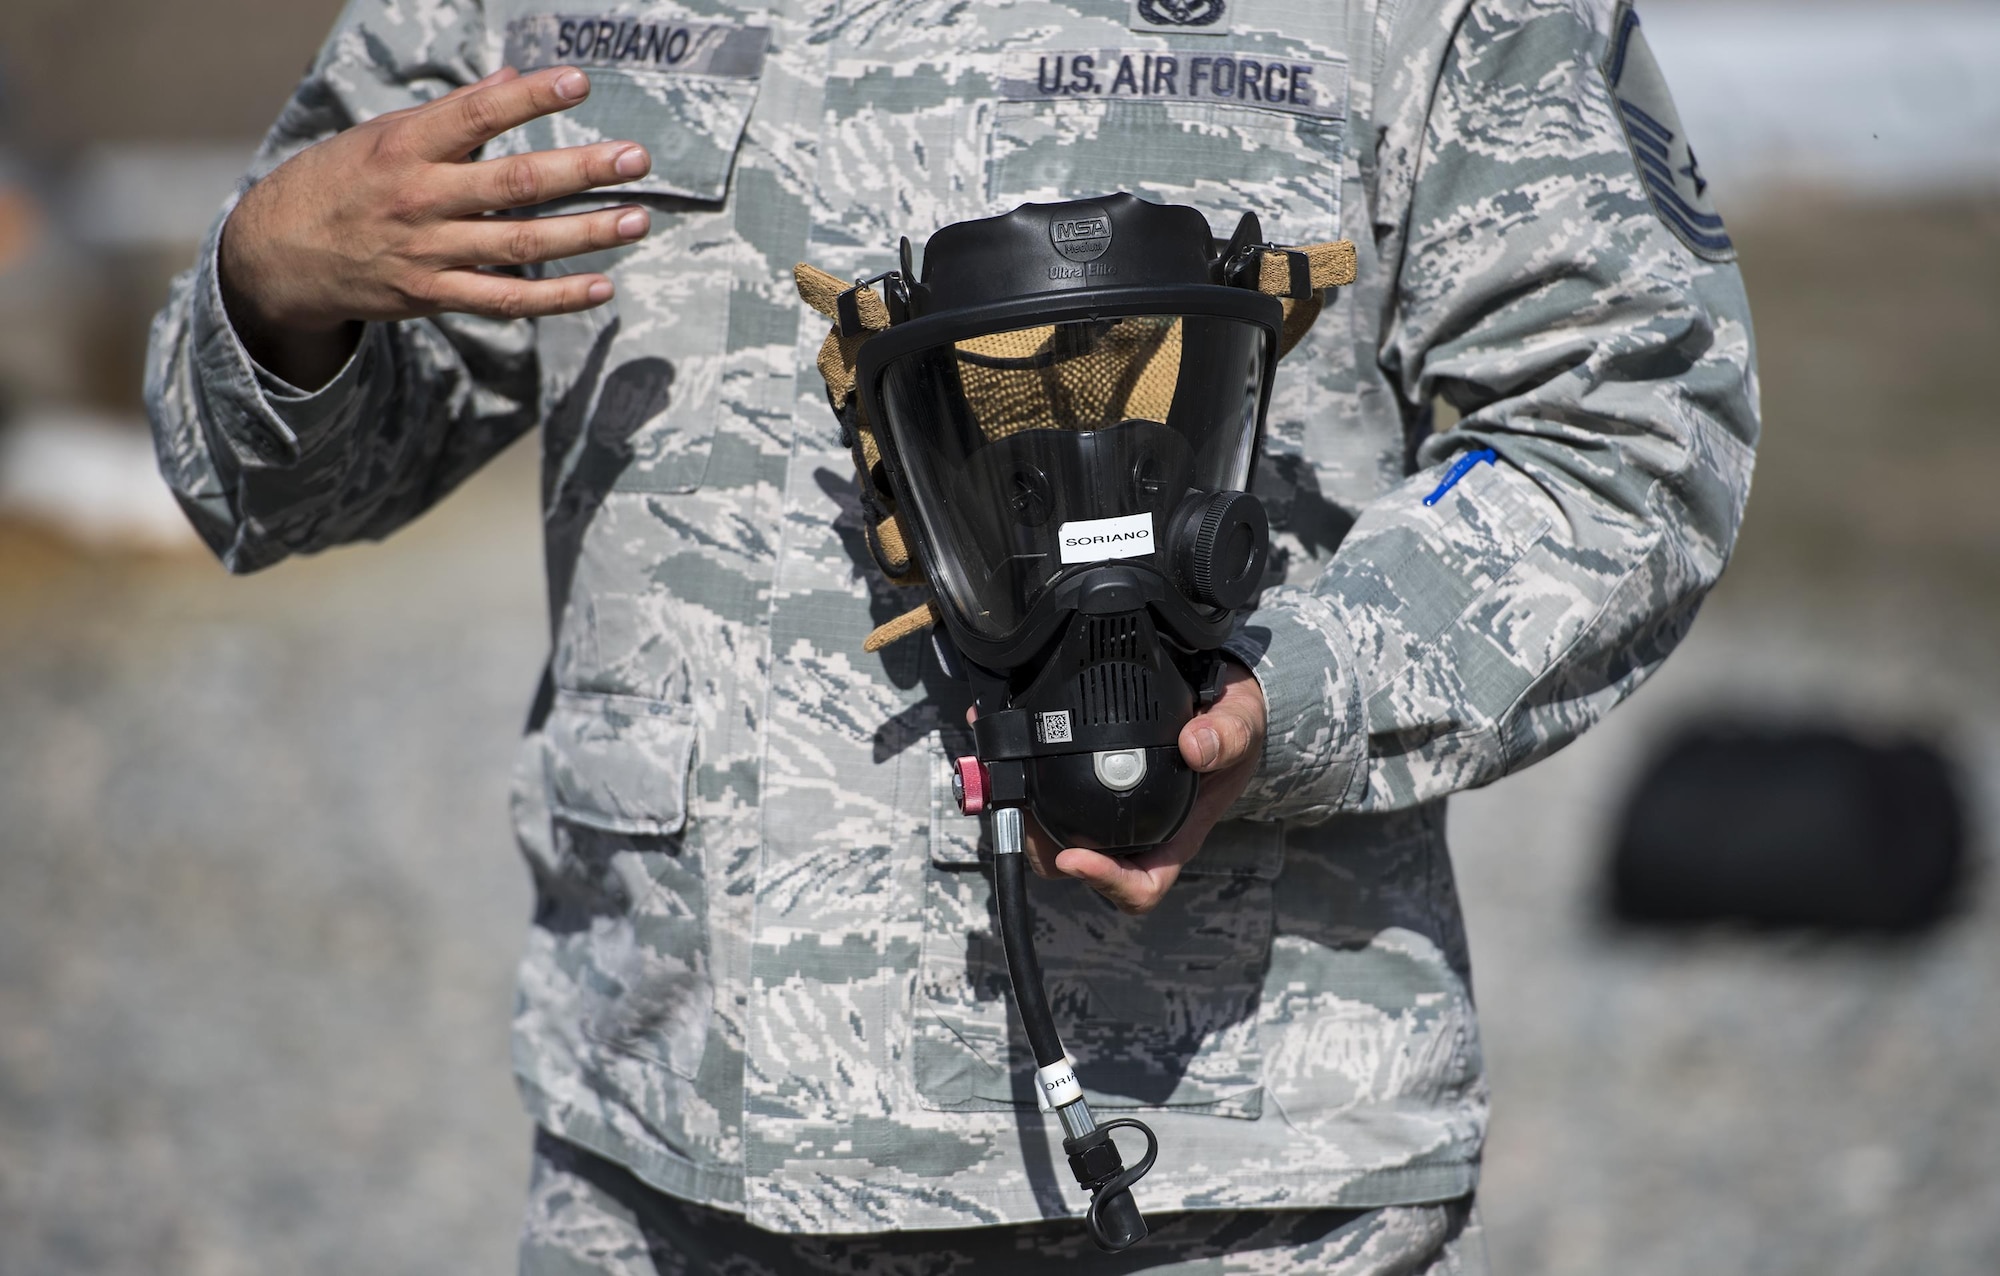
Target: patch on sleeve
[1667, 164]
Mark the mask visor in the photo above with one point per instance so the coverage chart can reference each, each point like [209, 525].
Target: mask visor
[1034, 451]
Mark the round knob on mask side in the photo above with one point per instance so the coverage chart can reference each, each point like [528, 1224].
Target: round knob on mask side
[968, 784]
[1223, 541]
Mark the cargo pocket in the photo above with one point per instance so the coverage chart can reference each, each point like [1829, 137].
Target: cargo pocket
[684, 89]
[1158, 1011]
[627, 905]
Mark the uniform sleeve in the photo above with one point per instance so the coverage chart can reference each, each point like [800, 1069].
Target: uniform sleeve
[1609, 370]
[265, 470]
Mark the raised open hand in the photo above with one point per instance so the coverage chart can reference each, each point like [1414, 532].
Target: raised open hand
[387, 220]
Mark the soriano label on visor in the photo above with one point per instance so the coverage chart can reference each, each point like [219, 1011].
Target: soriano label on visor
[1097, 540]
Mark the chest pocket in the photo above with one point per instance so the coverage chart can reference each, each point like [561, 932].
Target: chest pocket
[683, 87]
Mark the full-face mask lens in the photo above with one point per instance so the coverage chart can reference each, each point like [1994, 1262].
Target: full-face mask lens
[1033, 449]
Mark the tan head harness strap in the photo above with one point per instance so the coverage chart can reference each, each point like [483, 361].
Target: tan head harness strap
[1298, 276]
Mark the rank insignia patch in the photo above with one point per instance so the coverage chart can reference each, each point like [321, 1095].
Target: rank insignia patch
[1185, 17]
[1667, 164]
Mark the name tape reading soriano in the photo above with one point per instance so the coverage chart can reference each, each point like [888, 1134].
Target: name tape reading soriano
[1302, 87]
[626, 43]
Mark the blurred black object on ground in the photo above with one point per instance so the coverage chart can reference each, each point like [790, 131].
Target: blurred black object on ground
[1791, 827]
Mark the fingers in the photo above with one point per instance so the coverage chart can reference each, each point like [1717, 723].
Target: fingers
[1231, 731]
[1042, 849]
[501, 76]
[457, 124]
[1224, 742]
[520, 180]
[504, 73]
[1135, 883]
[511, 241]
[475, 292]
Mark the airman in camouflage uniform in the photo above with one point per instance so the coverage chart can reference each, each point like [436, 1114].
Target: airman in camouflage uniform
[763, 977]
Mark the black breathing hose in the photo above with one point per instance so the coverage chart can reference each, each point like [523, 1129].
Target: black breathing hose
[1017, 936]
[1113, 1218]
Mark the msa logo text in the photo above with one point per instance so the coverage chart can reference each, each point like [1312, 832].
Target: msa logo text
[1090, 228]
[1085, 235]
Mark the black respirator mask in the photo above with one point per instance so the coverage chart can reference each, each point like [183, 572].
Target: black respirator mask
[1068, 408]
[1055, 428]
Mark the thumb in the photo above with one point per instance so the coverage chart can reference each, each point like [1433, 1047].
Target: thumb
[1231, 730]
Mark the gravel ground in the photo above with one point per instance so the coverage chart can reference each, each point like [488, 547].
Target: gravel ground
[259, 906]
[1730, 1101]
[259, 909]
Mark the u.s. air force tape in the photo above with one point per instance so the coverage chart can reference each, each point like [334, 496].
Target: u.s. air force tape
[631, 44]
[1296, 85]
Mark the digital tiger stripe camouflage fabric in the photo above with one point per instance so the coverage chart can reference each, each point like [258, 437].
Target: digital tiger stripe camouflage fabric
[587, 1215]
[762, 972]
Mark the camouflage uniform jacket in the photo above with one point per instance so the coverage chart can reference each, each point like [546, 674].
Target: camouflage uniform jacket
[762, 971]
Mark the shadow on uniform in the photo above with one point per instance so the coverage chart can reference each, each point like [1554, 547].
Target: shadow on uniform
[1808, 828]
[579, 465]
[1288, 485]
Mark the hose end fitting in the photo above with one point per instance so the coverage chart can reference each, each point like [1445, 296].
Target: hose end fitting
[1114, 1218]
